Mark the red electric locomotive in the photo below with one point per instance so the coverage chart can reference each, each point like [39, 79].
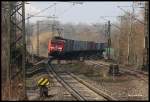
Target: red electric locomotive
[66, 48]
[56, 45]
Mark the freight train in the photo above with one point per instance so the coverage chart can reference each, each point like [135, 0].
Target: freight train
[62, 48]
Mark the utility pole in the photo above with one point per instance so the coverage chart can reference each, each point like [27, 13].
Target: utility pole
[28, 31]
[147, 15]
[105, 30]
[31, 45]
[53, 26]
[52, 29]
[38, 38]
[130, 36]
[146, 34]
[119, 37]
[28, 38]
[108, 30]
[109, 40]
[133, 54]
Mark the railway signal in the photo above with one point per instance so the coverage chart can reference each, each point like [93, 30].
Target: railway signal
[43, 83]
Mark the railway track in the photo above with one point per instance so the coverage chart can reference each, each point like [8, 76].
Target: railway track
[42, 61]
[136, 73]
[33, 72]
[78, 88]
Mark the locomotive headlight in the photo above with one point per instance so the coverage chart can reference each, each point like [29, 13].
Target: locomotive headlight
[52, 47]
[59, 48]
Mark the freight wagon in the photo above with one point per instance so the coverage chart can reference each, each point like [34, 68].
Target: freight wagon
[72, 49]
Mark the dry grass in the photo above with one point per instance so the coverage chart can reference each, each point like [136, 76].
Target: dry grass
[5, 91]
[92, 72]
[16, 90]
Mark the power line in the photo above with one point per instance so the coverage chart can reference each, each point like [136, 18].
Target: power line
[42, 10]
[39, 12]
[74, 3]
[60, 14]
[129, 14]
[46, 16]
[134, 6]
[66, 10]
[111, 23]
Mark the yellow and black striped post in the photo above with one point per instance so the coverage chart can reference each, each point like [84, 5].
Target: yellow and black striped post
[42, 83]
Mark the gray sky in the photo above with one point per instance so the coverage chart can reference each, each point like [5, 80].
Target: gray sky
[88, 12]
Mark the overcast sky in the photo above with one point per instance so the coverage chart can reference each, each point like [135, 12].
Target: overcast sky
[88, 12]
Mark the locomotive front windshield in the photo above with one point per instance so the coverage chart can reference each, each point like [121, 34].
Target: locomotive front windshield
[57, 42]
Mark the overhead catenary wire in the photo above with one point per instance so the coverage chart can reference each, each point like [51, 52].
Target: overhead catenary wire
[102, 17]
[66, 10]
[74, 3]
[54, 10]
[134, 6]
[39, 12]
[42, 11]
[133, 16]
[60, 14]
[34, 15]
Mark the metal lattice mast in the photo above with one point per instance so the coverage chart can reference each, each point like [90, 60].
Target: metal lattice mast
[17, 43]
[24, 47]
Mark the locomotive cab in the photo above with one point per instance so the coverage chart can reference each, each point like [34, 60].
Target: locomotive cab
[55, 46]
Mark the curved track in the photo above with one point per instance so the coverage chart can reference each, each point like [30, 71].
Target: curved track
[78, 88]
